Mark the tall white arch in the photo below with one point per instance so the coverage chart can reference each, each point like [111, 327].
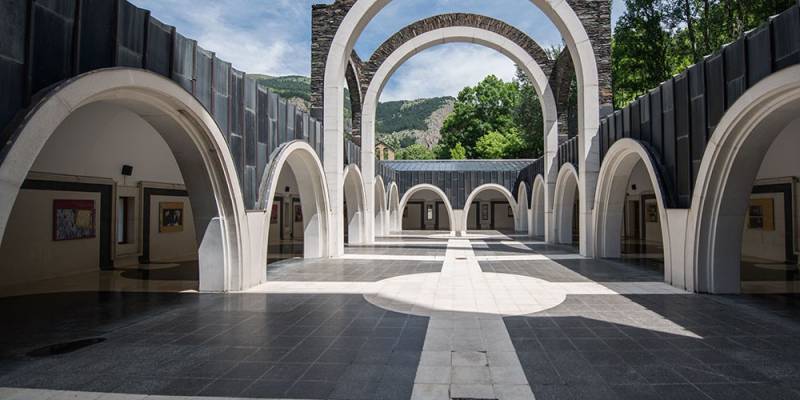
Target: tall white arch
[565, 192]
[381, 213]
[540, 217]
[196, 142]
[395, 212]
[483, 188]
[523, 212]
[577, 41]
[425, 186]
[612, 187]
[300, 157]
[478, 36]
[357, 214]
[729, 167]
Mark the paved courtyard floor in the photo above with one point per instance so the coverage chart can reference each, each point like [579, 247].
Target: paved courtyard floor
[415, 316]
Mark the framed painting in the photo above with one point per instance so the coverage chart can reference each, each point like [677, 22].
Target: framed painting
[170, 217]
[510, 212]
[273, 216]
[298, 212]
[761, 214]
[73, 219]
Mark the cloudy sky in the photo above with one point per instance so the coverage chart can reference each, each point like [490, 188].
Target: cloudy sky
[274, 37]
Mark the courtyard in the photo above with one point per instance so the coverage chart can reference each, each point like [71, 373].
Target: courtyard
[418, 316]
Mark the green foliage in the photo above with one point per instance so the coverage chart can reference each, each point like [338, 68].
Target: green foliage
[458, 152]
[415, 152]
[287, 86]
[655, 39]
[396, 116]
[528, 118]
[487, 107]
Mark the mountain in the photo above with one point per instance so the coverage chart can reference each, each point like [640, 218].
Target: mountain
[399, 123]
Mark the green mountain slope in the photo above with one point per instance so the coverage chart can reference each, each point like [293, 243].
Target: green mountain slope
[399, 123]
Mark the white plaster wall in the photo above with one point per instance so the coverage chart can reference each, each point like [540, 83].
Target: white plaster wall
[172, 246]
[97, 140]
[28, 252]
[762, 245]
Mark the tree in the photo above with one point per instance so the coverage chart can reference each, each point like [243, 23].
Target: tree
[491, 145]
[458, 152]
[528, 117]
[487, 107]
[496, 145]
[415, 152]
[639, 51]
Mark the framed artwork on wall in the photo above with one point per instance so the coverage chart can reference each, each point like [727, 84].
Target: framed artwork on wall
[761, 214]
[273, 216]
[73, 219]
[484, 212]
[170, 217]
[652, 212]
[298, 212]
[510, 212]
[429, 212]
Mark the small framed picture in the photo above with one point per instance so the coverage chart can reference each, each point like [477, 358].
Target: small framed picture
[429, 212]
[298, 213]
[170, 217]
[510, 212]
[273, 216]
[761, 215]
[484, 212]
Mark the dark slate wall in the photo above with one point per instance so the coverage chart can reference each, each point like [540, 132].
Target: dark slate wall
[568, 153]
[677, 119]
[527, 176]
[65, 38]
[457, 185]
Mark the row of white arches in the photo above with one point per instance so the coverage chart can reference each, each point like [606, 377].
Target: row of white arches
[697, 241]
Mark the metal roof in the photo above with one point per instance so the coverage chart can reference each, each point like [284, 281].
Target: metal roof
[457, 165]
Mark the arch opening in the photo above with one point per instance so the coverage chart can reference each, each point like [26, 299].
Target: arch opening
[293, 193]
[491, 207]
[381, 212]
[576, 38]
[426, 208]
[538, 218]
[395, 212]
[82, 185]
[566, 207]
[354, 206]
[523, 219]
[742, 231]
[630, 211]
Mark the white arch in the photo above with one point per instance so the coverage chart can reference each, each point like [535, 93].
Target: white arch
[300, 157]
[381, 212]
[425, 186]
[612, 186]
[523, 212]
[196, 142]
[539, 216]
[478, 36]
[395, 212]
[729, 167]
[576, 39]
[356, 204]
[482, 188]
[566, 186]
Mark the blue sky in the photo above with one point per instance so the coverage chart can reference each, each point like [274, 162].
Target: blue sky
[274, 37]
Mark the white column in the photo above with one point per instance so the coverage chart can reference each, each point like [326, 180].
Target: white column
[333, 163]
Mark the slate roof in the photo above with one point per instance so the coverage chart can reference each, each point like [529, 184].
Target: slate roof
[456, 165]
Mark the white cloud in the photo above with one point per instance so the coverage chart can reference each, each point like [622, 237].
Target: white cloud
[257, 37]
[445, 70]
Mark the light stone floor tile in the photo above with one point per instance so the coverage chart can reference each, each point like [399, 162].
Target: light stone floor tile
[469, 375]
[469, 359]
[436, 358]
[433, 374]
[430, 392]
[472, 391]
